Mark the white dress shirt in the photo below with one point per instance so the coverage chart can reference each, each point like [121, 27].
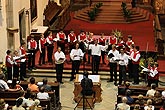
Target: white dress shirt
[116, 56]
[44, 95]
[57, 57]
[123, 59]
[137, 56]
[96, 49]
[76, 54]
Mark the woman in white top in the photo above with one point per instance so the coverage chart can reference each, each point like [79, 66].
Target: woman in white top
[76, 55]
[42, 94]
[149, 105]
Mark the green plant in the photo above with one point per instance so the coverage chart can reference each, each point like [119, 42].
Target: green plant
[127, 13]
[117, 33]
[98, 5]
[92, 15]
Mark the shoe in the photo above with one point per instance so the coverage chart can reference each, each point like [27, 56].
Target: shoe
[34, 68]
[61, 82]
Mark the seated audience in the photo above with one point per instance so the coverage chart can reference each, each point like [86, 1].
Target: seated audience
[15, 84]
[46, 86]
[3, 85]
[32, 86]
[163, 107]
[42, 94]
[130, 100]
[31, 99]
[157, 99]
[151, 92]
[18, 105]
[123, 90]
[149, 105]
[123, 105]
[35, 106]
[140, 100]
[3, 105]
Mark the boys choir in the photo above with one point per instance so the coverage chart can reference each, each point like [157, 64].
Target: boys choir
[124, 54]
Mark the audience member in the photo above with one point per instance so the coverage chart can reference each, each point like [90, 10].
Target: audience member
[130, 100]
[31, 99]
[42, 94]
[137, 107]
[140, 100]
[32, 86]
[123, 105]
[36, 105]
[3, 85]
[28, 93]
[22, 95]
[15, 84]
[157, 99]
[151, 92]
[46, 86]
[18, 105]
[149, 105]
[3, 105]
[123, 90]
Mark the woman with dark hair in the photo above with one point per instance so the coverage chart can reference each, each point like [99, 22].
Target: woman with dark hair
[18, 105]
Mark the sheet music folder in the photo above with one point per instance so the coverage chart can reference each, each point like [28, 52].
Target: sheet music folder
[94, 78]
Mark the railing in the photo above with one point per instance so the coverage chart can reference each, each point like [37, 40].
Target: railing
[158, 36]
[62, 19]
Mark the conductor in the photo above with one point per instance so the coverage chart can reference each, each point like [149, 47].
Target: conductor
[86, 85]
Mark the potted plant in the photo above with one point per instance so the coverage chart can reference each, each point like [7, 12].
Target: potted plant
[92, 15]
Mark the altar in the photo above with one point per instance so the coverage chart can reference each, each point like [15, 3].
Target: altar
[96, 87]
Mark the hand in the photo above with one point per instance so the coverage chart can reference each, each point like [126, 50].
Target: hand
[40, 51]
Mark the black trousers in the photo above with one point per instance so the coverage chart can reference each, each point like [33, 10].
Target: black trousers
[150, 81]
[31, 59]
[15, 71]
[59, 72]
[113, 71]
[75, 68]
[42, 56]
[122, 73]
[89, 56]
[136, 73]
[9, 73]
[103, 56]
[49, 53]
[95, 64]
[130, 69]
[22, 70]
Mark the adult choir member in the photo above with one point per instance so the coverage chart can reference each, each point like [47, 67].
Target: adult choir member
[32, 46]
[102, 42]
[9, 64]
[123, 62]
[50, 47]
[76, 55]
[71, 39]
[113, 56]
[96, 53]
[22, 53]
[59, 57]
[135, 56]
[61, 37]
[42, 43]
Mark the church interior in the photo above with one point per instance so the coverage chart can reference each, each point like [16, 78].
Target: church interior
[143, 20]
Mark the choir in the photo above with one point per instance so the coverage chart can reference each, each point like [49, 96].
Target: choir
[126, 55]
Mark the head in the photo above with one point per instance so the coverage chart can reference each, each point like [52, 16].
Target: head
[113, 47]
[23, 44]
[102, 35]
[137, 107]
[153, 86]
[129, 37]
[71, 31]
[136, 48]
[50, 33]
[2, 76]
[42, 35]
[2, 104]
[8, 52]
[140, 97]
[86, 74]
[128, 92]
[149, 102]
[32, 37]
[132, 46]
[157, 94]
[77, 45]
[36, 102]
[33, 95]
[82, 32]
[42, 89]
[61, 31]
[32, 80]
[21, 93]
[14, 82]
[19, 102]
[122, 51]
[16, 53]
[156, 64]
[124, 100]
[96, 41]
[127, 84]
[59, 49]
[45, 81]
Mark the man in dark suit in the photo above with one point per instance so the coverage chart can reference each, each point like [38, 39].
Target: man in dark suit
[86, 85]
